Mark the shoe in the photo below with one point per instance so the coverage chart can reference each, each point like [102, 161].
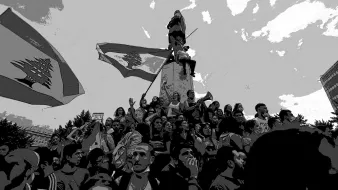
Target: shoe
[192, 74]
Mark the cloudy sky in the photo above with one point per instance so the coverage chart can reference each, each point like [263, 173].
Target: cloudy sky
[247, 51]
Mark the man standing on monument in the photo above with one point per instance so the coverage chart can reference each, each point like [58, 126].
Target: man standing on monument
[177, 41]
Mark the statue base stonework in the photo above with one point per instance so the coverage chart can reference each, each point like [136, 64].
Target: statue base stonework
[176, 80]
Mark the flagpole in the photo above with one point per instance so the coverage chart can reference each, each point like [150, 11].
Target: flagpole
[158, 72]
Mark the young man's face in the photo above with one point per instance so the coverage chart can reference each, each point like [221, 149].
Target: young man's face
[262, 110]
[4, 150]
[141, 158]
[76, 157]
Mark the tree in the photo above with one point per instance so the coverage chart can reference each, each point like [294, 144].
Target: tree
[12, 135]
[81, 119]
[302, 120]
[319, 123]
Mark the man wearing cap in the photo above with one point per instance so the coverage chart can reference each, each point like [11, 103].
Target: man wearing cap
[23, 164]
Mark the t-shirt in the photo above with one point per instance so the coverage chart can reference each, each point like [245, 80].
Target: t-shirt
[262, 126]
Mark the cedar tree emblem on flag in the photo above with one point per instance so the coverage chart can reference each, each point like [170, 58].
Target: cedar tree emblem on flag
[140, 62]
[31, 69]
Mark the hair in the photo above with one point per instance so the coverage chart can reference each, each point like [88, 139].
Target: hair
[236, 107]
[151, 148]
[224, 154]
[188, 92]
[259, 105]
[116, 120]
[176, 150]
[94, 154]
[123, 112]
[249, 126]
[178, 96]
[225, 109]
[45, 155]
[281, 170]
[283, 113]
[70, 149]
[229, 124]
[144, 130]
[237, 111]
[271, 122]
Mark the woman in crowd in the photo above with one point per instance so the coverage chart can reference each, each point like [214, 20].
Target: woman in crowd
[175, 107]
[227, 110]
[120, 114]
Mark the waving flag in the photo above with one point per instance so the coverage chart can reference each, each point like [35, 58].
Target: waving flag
[31, 69]
[140, 62]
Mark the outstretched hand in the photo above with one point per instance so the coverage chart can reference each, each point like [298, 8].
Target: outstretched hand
[131, 102]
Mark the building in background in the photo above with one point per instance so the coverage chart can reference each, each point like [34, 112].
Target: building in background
[40, 135]
[329, 81]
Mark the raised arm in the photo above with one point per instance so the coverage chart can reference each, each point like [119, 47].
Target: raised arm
[132, 110]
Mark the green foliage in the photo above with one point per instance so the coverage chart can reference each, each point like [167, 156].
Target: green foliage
[78, 121]
[12, 135]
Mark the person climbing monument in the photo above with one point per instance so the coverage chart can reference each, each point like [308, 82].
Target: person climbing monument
[184, 58]
[177, 29]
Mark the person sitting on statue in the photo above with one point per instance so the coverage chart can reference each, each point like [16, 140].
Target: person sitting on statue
[175, 107]
[184, 58]
[177, 29]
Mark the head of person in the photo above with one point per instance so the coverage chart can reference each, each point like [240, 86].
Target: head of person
[180, 117]
[238, 114]
[182, 125]
[230, 125]
[143, 157]
[164, 118]
[219, 112]
[155, 99]
[178, 13]
[249, 127]
[191, 94]
[167, 126]
[205, 129]
[143, 103]
[214, 105]
[73, 154]
[55, 139]
[261, 109]
[109, 122]
[161, 101]
[23, 163]
[176, 96]
[4, 150]
[286, 116]
[95, 157]
[294, 162]
[238, 107]
[214, 120]
[180, 154]
[228, 110]
[46, 161]
[120, 112]
[274, 123]
[116, 125]
[157, 124]
[228, 158]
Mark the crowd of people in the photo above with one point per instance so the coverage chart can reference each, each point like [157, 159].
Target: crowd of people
[179, 145]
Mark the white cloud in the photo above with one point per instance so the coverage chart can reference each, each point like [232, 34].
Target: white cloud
[272, 2]
[331, 28]
[255, 10]
[281, 27]
[146, 32]
[237, 6]
[191, 6]
[152, 5]
[206, 17]
[300, 43]
[202, 80]
[191, 52]
[315, 106]
[244, 35]
[280, 53]
[295, 69]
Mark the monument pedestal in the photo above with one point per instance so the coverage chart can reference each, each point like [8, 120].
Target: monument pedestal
[176, 80]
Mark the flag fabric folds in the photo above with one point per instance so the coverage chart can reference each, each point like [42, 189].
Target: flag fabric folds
[31, 69]
[135, 61]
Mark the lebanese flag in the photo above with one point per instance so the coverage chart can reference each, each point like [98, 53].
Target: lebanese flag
[135, 61]
[31, 69]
